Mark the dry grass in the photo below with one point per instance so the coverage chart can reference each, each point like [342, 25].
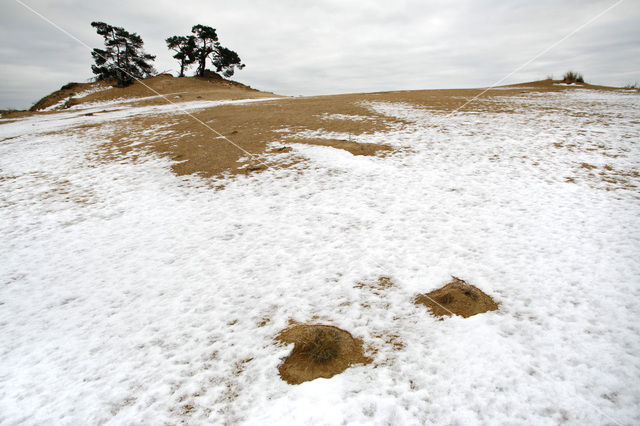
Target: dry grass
[322, 345]
[572, 77]
[632, 86]
[197, 150]
[319, 351]
[457, 297]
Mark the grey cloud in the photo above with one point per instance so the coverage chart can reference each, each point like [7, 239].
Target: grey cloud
[334, 46]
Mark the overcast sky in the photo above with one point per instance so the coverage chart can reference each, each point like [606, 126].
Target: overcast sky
[295, 47]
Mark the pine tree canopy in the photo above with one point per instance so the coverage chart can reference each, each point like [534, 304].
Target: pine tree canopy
[201, 47]
[123, 58]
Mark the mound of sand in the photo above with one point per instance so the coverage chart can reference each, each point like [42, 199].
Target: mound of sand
[209, 87]
[457, 297]
[65, 92]
[319, 351]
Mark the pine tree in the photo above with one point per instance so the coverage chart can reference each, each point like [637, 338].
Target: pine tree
[123, 58]
[185, 48]
[206, 43]
[226, 61]
[208, 47]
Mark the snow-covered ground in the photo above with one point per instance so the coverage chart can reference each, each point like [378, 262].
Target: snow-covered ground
[132, 296]
[103, 112]
[60, 104]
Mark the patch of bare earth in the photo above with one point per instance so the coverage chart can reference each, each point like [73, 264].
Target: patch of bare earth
[377, 287]
[457, 297]
[196, 149]
[319, 351]
[606, 177]
[260, 131]
[254, 126]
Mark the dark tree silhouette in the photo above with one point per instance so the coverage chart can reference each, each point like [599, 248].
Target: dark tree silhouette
[206, 43]
[185, 48]
[226, 61]
[572, 77]
[208, 47]
[123, 58]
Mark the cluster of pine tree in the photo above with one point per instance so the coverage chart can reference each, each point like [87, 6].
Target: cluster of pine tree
[199, 47]
[124, 60]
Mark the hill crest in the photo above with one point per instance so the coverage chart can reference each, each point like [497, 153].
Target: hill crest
[210, 87]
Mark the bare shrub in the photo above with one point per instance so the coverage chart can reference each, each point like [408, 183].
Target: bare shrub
[572, 77]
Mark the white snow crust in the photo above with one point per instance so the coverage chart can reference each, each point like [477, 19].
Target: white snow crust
[351, 117]
[103, 112]
[129, 295]
[78, 95]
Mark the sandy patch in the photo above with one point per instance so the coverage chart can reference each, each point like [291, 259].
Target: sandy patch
[245, 132]
[457, 297]
[319, 351]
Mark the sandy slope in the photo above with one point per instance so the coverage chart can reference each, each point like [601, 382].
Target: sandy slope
[142, 284]
[195, 139]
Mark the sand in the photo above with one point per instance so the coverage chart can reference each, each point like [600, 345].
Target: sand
[253, 128]
[303, 364]
[457, 298]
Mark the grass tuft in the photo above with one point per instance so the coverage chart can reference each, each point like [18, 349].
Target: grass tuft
[69, 86]
[322, 346]
[572, 77]
[635, 86]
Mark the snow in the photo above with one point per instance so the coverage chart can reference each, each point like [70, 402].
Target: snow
[57, 105]
[103, 112]
[120, 101]
[78, 95]
[132, 296]
[352, 117]
[91, 91]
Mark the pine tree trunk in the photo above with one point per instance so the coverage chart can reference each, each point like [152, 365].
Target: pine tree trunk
[201, 67]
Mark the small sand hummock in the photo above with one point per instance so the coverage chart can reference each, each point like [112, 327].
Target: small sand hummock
[457, 297]
[319, 351]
